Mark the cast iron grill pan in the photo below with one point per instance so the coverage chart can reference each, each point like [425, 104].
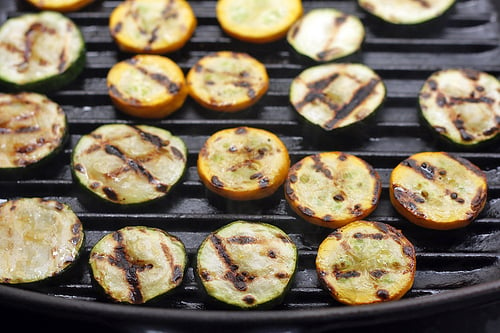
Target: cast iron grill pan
[452, 266]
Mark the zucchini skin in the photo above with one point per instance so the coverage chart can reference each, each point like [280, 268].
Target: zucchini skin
[53, 81]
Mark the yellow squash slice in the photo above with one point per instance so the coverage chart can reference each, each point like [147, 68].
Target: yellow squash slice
[152, 26]
[147, 86]
[60, 5]
[332, 189]
[258, 21]
[366, 262]
[227, 81]
[243, 163]
[438, 191]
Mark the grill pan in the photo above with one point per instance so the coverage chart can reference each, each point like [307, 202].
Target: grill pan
[455, 269]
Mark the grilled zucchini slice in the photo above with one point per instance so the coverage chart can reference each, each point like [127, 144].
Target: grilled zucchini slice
[326, 34]
[227, 81]
[366, 262]
[33, 129]
[332, 189]
[462, 105]
[243, 163]
[136, 264]
[60, 5]
[257, 21]
[147, 86]
[127, 164]
[247, 265]
[40, 52]
[406, 12]
[436, 190]
[39, 239]
[152, 26]
[334, 96]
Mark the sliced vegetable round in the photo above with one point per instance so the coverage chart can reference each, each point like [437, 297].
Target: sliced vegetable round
[152, 26]
[247, 265]
[33, 128]
[243, 163]
[326, 34]
[39, 239]
[337, 95]
[258, 21]
[147, 86]
[129, 164]
[462, 105]
[136, 264]
[436, 190]
[227, 81]
[332, 189]
[60, 5]
[366, 262]
[406, 11]
[40, 52]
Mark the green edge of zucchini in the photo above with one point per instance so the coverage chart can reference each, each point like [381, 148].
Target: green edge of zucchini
[23, 38]
[246, 265]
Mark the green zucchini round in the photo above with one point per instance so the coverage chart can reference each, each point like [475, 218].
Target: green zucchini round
[247, 265]
[128, 165]
[462, 106]
[40, 52]
[33, 130]
[137, 264]
[39, 239]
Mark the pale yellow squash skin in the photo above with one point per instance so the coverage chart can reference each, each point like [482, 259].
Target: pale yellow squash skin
[258, 21]
[152, 26]
[136, 264]
[438, 191]
[62, 6]
[243, 163]
[147, 86]
[366, 262]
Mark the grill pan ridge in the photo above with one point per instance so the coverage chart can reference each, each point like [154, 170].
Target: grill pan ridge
[452, 266]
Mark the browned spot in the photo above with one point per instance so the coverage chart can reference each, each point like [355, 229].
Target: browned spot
[110, 193]
[378, 273]
[249, 299]
[346, 274]
[383, 294]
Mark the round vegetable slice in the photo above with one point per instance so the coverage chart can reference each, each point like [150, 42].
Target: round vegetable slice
[333, 96]
[247, 264]
[60, 5]
[332, 189]
[136, 264]
[462, 105]
[227, 81]
[258, 21]
[243, 163]
[147, 86]
[366, 262]
[152, 26]
[127, 164]
[406, 11]
[436, 190]
[326, 34]
[40, 238]
[40, 52]
[33, 128]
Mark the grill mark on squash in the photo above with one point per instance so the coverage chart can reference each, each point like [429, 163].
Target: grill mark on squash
[30, 37]
[172, 87]
[175, 269]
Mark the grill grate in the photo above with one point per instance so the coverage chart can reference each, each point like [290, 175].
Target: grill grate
[446, 261]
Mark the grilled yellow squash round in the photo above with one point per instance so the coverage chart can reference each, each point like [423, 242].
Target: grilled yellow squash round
[60, 5]
[257, 21]
[243, 163]
[127, 164]
[332, 189]
[227, 81]
[152, 26]
[147, 86]
[247, 265]
[136, 264]
[366, 262]
[40, 238]
[437, 190]
[462, 105]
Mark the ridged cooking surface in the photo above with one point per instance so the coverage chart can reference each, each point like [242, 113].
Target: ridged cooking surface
[445, 260]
